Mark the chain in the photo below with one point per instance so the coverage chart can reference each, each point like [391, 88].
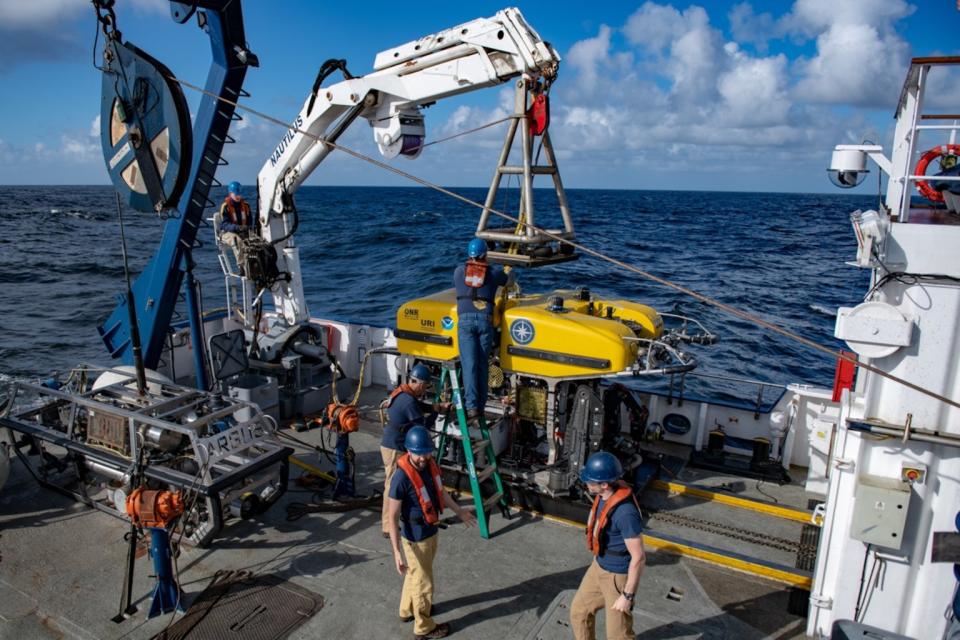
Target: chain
[745, 535]
[107, 19]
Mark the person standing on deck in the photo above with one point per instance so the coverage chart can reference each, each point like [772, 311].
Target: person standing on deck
[416, 502]
[476, 285]
[405, 409]
[614, 537]
[236, 221]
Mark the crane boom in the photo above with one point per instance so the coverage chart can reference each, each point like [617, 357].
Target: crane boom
[471, 56]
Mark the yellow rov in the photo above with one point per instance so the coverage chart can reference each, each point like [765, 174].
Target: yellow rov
[556, 355]
[562, 334]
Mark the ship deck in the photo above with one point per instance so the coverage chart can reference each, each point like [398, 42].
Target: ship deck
[62, 566]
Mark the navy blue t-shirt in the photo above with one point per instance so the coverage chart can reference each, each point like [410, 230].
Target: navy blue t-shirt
[465, 304]
[624, 522]
[412, 525]
[402, 414]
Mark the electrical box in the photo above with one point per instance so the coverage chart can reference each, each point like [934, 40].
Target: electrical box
[880, 511]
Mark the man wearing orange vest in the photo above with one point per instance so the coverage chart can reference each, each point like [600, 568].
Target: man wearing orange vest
[236, 221]
[417, 499]
[405, 409]
[614, 537]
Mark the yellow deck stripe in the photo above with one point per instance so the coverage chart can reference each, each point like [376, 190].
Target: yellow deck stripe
[740, 564]
[778, 511]
[754, 568]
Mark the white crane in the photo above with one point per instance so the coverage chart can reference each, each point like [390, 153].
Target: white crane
[471, 56]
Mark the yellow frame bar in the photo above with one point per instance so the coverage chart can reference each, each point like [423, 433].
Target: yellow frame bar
[740, 564]
[775, 510]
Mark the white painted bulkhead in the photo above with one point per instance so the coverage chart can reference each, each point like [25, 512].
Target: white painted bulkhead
[912, 595]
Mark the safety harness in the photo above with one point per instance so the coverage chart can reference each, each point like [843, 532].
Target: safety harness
[431, 512]
[596, 525]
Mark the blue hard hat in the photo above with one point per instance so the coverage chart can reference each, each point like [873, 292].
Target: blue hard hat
[234, 187]
[601, 467]
[477, 248]
[421, 373]
[418, 441]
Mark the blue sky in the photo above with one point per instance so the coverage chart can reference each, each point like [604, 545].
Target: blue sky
[651, 95]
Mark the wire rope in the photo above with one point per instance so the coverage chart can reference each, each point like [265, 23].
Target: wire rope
[726, 308]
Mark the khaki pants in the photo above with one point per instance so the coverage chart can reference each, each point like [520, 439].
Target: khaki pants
[599, 589]
[417, 597]
[389, 468]
[233, 240]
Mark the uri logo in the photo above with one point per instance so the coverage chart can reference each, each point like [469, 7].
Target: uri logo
[521, 330]
[446, 322]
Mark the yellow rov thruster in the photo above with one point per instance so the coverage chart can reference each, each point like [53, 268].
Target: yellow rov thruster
[560, 335]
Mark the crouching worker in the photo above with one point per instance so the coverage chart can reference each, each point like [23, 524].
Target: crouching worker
[417, 499]
[614, 536]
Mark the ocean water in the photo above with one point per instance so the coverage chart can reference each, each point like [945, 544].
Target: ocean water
[366, 250]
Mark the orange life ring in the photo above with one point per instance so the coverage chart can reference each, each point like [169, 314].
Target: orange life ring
[923, 186]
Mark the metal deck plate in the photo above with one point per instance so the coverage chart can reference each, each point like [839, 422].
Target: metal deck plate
[244, 607]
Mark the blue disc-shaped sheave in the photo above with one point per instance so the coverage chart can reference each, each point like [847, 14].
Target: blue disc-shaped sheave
[143, 113]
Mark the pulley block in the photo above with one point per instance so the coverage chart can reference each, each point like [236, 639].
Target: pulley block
[144, 129]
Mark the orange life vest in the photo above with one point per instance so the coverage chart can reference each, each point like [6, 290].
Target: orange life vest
[431, 512]
[229, 207]
[475, 274]
[596, 525]
[403, 388]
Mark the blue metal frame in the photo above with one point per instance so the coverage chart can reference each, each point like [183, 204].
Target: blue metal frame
[157, 287]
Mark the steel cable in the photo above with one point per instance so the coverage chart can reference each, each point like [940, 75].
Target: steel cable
[743, 315]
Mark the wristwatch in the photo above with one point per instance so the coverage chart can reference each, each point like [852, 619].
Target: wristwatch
[628, 596]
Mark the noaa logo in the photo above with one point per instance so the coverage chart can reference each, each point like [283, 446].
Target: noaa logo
[446, 322]
[521, 330]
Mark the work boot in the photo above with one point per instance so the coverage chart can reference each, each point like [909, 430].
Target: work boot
[440, 631]
[473, 415]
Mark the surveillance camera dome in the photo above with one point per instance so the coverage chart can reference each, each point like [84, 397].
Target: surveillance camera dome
[848, 167]
[846, 179]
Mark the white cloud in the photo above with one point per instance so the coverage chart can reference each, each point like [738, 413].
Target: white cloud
[654, 26]
[855, 64]
[15, 14]
[860, 58]
[95, 127]
[79, 149]
[753, 90]
[587, 55]
[813, 17]
[38, 13]
[679, 88]
[747, 27]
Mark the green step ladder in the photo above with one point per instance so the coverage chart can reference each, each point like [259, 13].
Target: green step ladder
[471, 448]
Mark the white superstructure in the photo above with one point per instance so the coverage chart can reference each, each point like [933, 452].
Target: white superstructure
[894, 471]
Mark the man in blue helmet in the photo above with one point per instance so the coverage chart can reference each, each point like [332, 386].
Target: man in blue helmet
[416, 502]
[236, 221]
[476, 284]
[405, 409]
[614, 537]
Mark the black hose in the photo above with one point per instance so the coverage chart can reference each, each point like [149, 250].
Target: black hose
[326, 69]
